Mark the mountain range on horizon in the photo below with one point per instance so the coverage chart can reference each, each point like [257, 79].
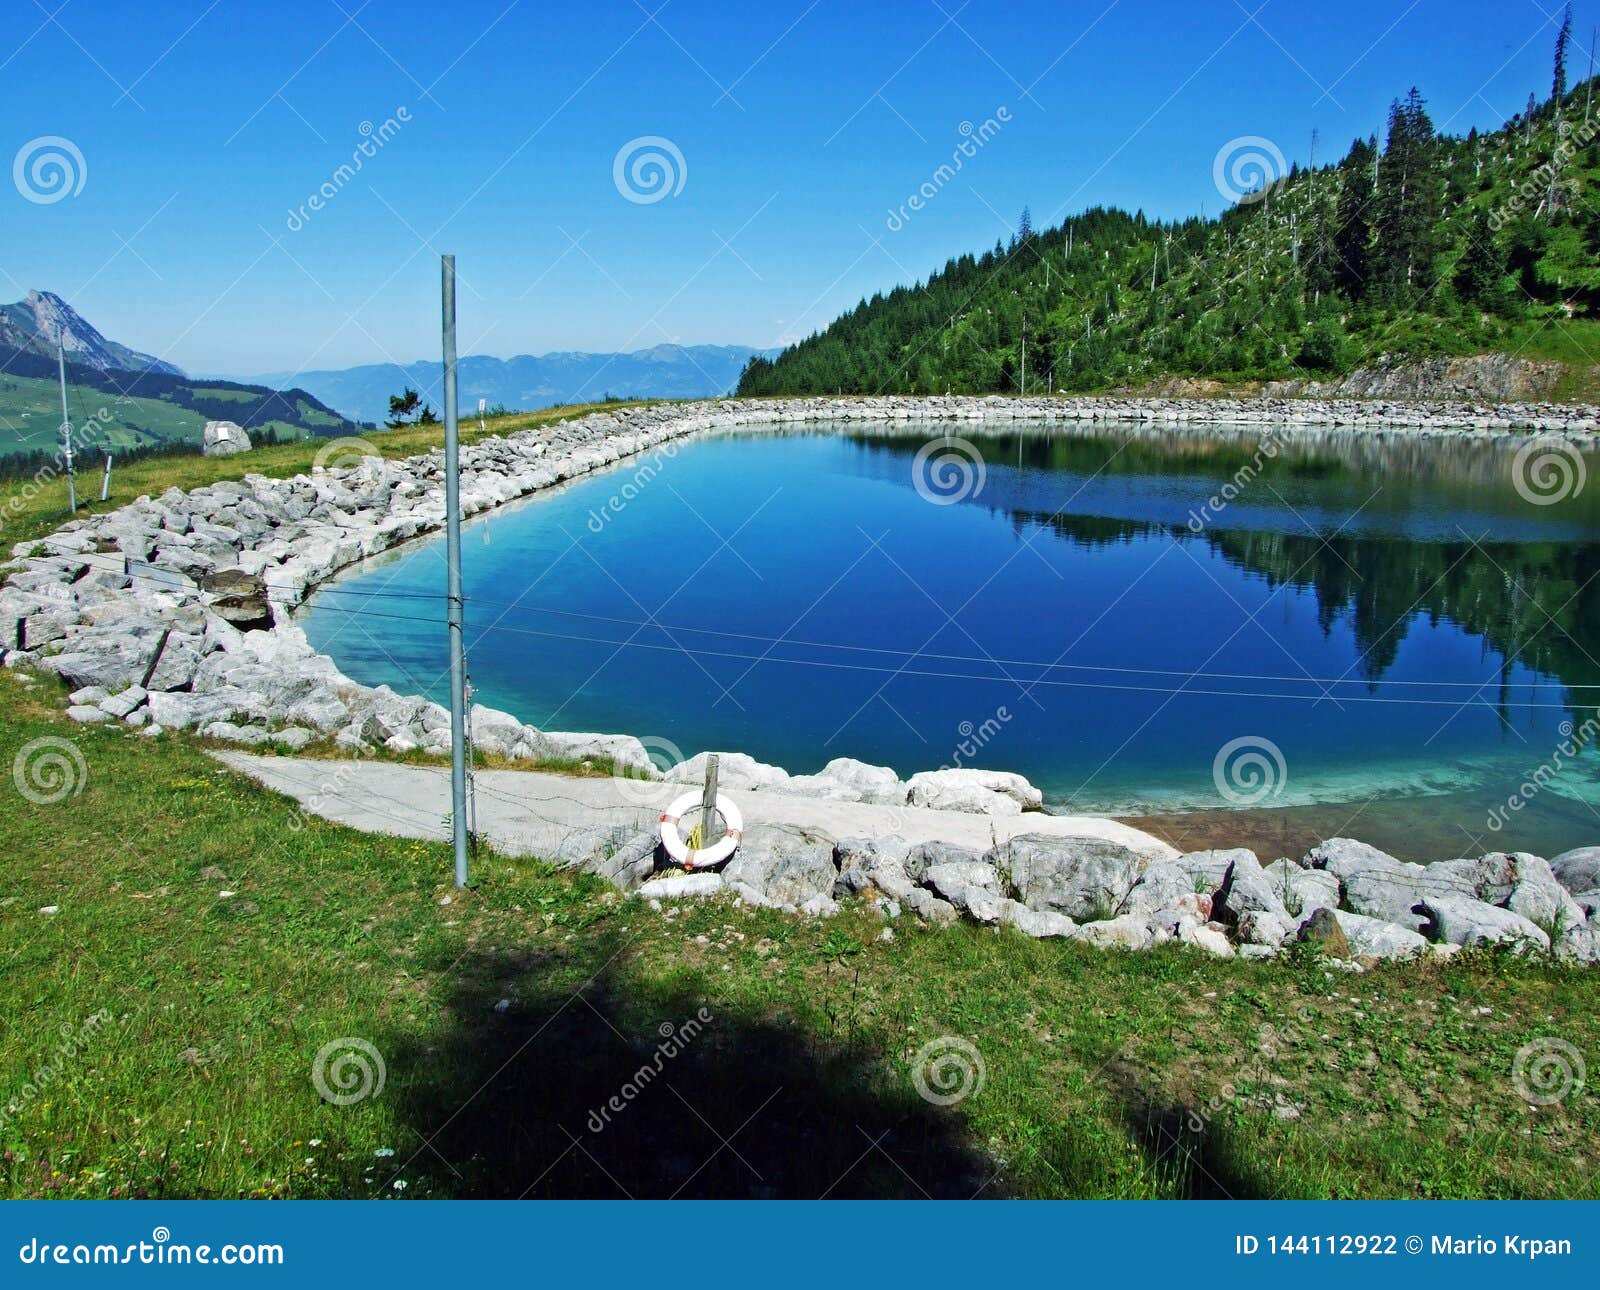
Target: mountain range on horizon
[526, 382]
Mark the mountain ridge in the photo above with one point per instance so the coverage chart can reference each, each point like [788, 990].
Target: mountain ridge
[41, 320]
[530, 381]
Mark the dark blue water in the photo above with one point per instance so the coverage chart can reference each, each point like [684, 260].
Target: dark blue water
[1390, 620]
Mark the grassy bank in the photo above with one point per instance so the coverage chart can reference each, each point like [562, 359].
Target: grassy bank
[34, 510]
[177, 1029]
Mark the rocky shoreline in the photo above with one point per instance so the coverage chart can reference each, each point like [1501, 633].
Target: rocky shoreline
[175, 612]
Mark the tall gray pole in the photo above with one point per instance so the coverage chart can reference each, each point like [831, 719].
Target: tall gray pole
[453, 615]
[66, 429]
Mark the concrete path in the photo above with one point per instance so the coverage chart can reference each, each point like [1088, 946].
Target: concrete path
[528, 813]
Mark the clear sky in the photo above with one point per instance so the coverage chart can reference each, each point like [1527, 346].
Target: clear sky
[205, 128]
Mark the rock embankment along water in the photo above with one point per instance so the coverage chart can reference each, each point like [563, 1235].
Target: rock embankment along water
[176, 611]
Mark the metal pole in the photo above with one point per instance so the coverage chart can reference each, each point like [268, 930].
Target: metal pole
[105, 480]
[453, 615]
[66, 429]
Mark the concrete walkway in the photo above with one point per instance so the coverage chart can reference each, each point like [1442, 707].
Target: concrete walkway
[527, 813]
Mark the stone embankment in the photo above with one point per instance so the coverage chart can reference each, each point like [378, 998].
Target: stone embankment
[175, 612]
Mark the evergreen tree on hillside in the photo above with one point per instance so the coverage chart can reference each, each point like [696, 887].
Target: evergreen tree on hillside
[1558, 87]
[1408, 202]
[1480, 277]
[1352, 220]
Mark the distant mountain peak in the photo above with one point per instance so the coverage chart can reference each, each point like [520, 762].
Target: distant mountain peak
[41, 320]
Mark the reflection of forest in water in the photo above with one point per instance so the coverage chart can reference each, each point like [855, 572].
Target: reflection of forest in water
[1528, 586]
[1537, 604]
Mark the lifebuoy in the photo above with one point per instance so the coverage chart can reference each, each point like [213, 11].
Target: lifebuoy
[704, 857]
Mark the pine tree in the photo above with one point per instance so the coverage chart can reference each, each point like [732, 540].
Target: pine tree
[1352, 221]
[1408, 203]
[1558, 87]
[1480, 277]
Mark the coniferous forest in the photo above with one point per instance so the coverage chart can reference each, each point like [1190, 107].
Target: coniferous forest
[1415, 244]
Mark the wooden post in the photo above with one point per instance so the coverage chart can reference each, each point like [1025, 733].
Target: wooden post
[708, 802]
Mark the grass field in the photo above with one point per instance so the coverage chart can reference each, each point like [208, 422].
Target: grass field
[204, 950]
[44, 508]
[162, 1027]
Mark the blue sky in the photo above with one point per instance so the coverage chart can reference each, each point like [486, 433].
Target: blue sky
[203, 126]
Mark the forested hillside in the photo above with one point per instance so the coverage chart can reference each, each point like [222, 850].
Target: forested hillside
[1415, 244]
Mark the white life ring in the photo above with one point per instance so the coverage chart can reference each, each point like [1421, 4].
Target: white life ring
[705, 857]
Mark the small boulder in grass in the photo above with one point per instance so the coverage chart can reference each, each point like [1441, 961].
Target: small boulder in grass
[1323, 931]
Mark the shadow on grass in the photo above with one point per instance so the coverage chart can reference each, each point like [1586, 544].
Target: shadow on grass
[606, 1092]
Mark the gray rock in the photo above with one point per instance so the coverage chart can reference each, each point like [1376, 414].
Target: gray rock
[1208, 869]
[873, 862]
[1376, 939]
[623, 751]
[493, 731]
[1127, 932]
[1372, 882]
[925, 855]
[682, 886]
[984, 792]
[1161, 886]
[1262, 927]
[224, 439]
[625, 860]
[928, 907]
[1246, 889]
[956, 875]
[121, 704]
[1038, 923]
[1463, 921]
[734, 770]
[87, 714]
[1211, 939]
[877, 784]
[1578, 870]
[1302, 890]
[1083, 878]
[781, 865]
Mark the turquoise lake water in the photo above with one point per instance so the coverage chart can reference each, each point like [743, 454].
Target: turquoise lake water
[1366, 617]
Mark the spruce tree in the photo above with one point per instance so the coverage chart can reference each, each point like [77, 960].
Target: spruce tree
[1352, 221]
[1408, 203]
